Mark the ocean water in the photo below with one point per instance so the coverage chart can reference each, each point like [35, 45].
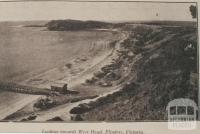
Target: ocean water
[28, 51]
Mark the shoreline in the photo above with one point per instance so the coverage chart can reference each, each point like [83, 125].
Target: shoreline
[105, 58]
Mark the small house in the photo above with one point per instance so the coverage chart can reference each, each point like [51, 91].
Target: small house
[59, 88]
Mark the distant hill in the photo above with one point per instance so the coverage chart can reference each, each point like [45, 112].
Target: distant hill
[74, 25]
[167, 23]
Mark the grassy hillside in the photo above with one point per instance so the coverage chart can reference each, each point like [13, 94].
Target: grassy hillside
[162, 63]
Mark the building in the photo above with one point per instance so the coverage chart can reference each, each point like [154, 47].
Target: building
[59, 88]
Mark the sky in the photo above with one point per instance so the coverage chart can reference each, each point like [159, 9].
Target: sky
[102, 11]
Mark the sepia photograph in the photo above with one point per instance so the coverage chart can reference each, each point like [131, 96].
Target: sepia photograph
[82, 61]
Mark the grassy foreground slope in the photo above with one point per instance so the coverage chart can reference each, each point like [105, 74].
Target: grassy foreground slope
[163, 66]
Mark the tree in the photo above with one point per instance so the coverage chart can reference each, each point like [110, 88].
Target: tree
[193, 11]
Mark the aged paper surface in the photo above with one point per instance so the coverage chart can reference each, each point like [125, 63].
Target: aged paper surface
[99, 67]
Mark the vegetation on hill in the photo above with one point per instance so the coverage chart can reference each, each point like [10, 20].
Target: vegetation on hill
[162, 61]
[74, 25]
